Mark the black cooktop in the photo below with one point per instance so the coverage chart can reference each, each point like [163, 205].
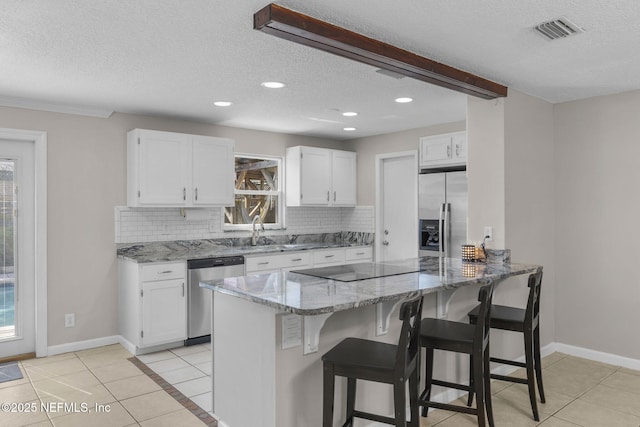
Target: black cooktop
[361, 271]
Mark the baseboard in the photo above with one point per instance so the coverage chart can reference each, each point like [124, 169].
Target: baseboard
[128, 345]
[598, 356]
[82, 345]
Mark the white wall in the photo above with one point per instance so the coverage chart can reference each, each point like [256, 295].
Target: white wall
[529, 183]
[597, 234]
[485, 169]
[86, 178]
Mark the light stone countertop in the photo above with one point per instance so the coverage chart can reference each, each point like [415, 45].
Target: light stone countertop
[183, 250]
[307, 295]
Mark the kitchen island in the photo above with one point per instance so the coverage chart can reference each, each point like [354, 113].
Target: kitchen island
[270, 331]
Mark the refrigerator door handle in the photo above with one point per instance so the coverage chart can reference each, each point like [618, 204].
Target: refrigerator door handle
[447, 231]
[440, 241]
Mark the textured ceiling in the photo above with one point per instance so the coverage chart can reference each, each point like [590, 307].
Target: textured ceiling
[174, 58]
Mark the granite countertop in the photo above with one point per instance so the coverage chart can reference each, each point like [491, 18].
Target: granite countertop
[307, 295]
[183, 250]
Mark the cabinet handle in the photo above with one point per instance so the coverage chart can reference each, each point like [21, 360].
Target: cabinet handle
[457, 149]
[183, 289]
[296, 259]
[184, 193]
[334, 196]
[263, 263]
[196, 193]
[329, 256]
[448, 151]
[166, 272]
[359, 253]
[328, 195]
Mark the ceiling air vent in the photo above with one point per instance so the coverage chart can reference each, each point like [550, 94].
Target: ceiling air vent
[558, 28]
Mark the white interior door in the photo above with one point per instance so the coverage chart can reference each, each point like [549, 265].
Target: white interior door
[397, 206]
[17, 248]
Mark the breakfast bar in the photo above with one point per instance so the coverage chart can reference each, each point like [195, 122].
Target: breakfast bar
[270, 330]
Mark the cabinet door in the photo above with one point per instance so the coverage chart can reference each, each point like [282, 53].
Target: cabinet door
[315, 176]
[164, 312]
[344, 178]
[213, 171]
[459, 144]
[435, 149]
[163, 168]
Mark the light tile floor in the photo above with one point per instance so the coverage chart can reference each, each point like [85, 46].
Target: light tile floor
[188, 369]
[579, 392]
[99, 387]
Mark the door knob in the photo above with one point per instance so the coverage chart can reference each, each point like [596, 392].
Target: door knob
[386, 232]
[385, 243]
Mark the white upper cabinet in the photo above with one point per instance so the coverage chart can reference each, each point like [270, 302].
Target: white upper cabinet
[443, 150]
[175, 169]
[213, 171]
[343, 178]
[320, 177]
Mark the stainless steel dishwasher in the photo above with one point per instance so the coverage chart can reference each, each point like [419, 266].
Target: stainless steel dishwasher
[199, 299]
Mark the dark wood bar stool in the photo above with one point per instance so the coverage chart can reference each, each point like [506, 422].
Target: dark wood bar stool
[461, 338]
[360, 359]
[525, 321]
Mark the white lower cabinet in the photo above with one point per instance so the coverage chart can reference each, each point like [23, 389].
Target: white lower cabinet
[328, 257]
[259, 264]
[358, 254]
[152, 304]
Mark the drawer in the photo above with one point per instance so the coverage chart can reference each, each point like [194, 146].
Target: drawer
[267, 262]
[362, 253]
[174, 270]
[271, 262]
[296, 259]
[329, 256]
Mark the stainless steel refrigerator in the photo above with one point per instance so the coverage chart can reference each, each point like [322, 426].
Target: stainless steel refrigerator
[442, 210]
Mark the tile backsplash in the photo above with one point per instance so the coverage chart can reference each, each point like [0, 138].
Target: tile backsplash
[164, 224]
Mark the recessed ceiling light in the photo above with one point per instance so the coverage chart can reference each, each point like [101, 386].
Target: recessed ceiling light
[403, 100]
[222, 103]
[349, 129]
[273, 85]
[349, 114]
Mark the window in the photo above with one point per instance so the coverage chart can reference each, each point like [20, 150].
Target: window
[258, 192]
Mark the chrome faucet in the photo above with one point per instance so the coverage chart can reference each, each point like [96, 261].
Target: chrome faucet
[256, 233]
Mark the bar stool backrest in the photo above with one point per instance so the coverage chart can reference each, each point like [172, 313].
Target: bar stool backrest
[533, 303]
[408, 343]
[483, 325]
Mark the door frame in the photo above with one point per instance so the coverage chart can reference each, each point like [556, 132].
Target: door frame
[40, 215]
[380, 158]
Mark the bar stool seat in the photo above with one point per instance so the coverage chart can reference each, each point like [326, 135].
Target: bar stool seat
[527, 322]
[361, 359]
[439, 334]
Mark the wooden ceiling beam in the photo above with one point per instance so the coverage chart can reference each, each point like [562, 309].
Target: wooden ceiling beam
[297, 27]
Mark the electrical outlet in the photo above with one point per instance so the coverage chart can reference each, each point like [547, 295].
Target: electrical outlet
[69, 320]
[488, 233]
[165, 228]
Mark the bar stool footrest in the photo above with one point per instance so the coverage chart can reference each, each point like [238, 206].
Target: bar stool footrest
[448, 407]
[510, 379]
[508, 362]
[371, 417]
[451, 385]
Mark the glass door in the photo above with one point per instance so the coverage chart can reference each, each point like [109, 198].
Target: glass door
[17, 248]
[8, 297]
